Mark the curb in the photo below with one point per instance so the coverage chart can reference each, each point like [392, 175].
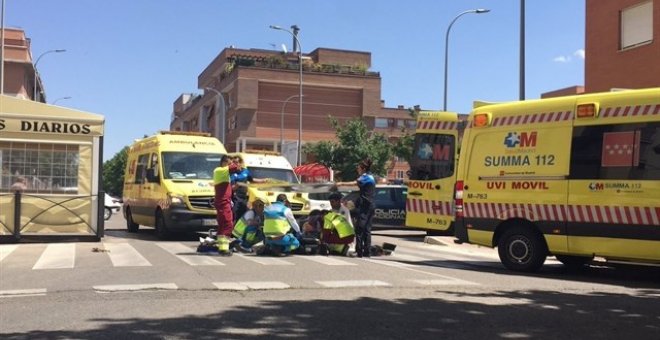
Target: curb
[436, 240]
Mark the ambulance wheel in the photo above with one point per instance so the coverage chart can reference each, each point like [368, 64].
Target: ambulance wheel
[574, 262]
[107, 213]
[522, 249]
[161, 227]
[130, 224]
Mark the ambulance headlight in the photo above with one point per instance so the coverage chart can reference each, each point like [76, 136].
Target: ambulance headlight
[176, 199]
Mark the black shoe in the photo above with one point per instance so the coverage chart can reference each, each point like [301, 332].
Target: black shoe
[323, 250]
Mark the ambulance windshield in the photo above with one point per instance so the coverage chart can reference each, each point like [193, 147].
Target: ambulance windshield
[189, 165]
[286, 175]
[433, 157]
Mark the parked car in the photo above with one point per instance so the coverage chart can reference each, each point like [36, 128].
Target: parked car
[390, 203]
[112, 205]
[320, 200]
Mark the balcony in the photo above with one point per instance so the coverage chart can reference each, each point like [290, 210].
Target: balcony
[281, 63]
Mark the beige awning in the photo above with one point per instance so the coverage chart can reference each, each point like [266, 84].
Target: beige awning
[26, 116]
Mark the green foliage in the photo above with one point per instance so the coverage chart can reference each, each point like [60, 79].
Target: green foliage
[403, 148]
[113, 173]
[355, 144]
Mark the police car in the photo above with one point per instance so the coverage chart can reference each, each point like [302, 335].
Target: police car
[390, 201]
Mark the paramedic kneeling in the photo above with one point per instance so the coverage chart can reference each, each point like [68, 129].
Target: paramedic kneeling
[249, 228]
[278, 223]
[337, 233]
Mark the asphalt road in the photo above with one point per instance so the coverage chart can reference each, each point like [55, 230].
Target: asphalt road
[136, 286]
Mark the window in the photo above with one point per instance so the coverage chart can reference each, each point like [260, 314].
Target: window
[636, 25]
[433, 157]
[188, 165]
[141, 170]
[411, 124]
[48, 168]
[382, 195]
[400, 123]
[380, 123]
[616, 152]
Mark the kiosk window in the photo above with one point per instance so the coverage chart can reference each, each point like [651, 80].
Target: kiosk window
[47, 168]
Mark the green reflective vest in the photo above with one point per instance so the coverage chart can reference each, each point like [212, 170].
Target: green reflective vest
[275, 222]
[333, 220]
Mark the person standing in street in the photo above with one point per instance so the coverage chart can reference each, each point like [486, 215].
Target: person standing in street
[222, 203]
[365, 207]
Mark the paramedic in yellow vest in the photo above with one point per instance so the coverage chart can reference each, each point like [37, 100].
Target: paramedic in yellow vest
[249, 228]
[338, 232]
[278, 224]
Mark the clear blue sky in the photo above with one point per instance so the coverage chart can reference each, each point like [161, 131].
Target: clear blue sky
[130, 59]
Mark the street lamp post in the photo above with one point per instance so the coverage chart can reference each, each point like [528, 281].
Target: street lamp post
[282, 120]
[476, 11]
[300, 57]
[34, 97]
[58, 99]
[222, 119]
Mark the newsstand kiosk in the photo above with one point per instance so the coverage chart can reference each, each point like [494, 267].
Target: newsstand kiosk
[50, 175]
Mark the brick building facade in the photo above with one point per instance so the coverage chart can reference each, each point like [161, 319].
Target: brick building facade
[19, 71]
[255, 85]
[622, 44]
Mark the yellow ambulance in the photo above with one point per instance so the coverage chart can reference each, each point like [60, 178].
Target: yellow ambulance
[276, 169]
[429, 203]
[168, 182]
[576, 177]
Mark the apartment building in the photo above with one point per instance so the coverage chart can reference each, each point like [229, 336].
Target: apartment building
[19, 73]
[260, 108]
[622, 44]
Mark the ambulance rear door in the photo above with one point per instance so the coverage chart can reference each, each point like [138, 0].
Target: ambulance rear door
[429, 203]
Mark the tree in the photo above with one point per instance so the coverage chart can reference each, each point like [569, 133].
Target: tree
[355, 144]
[113, 173]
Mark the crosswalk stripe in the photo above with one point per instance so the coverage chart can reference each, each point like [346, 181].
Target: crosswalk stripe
[446, 282]
[267, 261]
[135, 287]
[352, 283]
[22, 292]
[57, 256]
[392, 263]
[124, 255]
[409, 258]
[251, 285]
[189, 255]
[6, 249]
[328, 261]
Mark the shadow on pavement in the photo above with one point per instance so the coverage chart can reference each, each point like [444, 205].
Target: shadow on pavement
[441, 315]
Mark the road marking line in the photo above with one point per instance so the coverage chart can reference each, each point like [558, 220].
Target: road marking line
[124, 255]
[448, 282]
[57, 256]
[352, 283]
[251, 285]
[413, 268]
[392, 263]
[410, 258]
[6, 250]
[267, 261]
[328, 261]
[135, 287]
[189, 255]
[22, 292]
